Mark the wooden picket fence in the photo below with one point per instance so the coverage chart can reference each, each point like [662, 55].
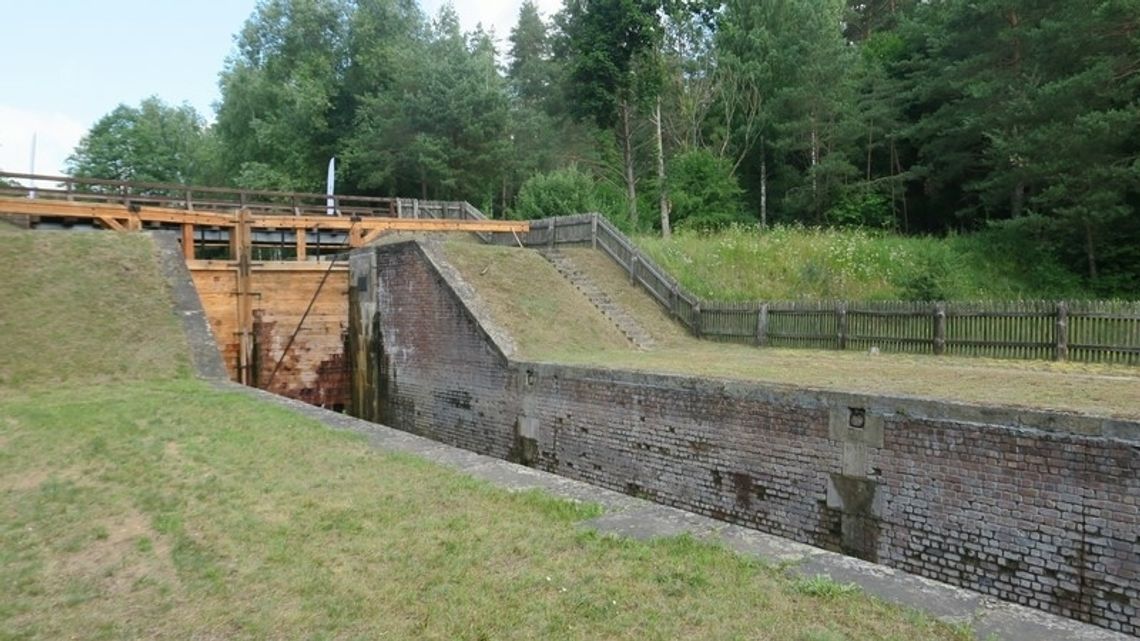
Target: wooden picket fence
[1085, 331]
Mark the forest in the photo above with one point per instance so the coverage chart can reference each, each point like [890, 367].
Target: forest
[921, 117]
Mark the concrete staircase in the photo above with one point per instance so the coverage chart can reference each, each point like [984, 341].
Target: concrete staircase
[607, 306]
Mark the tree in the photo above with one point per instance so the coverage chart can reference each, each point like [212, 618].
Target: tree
[530, 70]
[794, 52]
[611, 46]
[153, 142]
[278, 119]
[440, 129]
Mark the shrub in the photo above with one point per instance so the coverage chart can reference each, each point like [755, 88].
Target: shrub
[564, 192]
[704, 192]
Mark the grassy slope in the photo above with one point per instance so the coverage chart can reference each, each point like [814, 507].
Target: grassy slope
[84, 306]
[796, 263]
[542, 311]
[1100, 390]
[159, 507]
[166, 511]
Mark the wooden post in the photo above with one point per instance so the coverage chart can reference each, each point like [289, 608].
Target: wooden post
[416, 209]
[553, 232]
[1061, 331]
[697, 319]
[188, 241]
[939, 329]
[762, 325]
[189, 200]
[674, 298]
[242, 240]
[633, 269]
[841, 325]
[302, 244]
[594, 231]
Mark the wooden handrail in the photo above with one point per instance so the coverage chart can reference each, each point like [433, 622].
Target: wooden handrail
[181, 196]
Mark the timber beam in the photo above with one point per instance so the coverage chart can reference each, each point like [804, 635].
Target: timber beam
[359, 229]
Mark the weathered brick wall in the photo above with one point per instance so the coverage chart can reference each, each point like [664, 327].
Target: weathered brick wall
[1048, 520]
[970, 496]
[438, 374]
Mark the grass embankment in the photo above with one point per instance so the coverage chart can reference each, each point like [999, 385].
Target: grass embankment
[88, 306]
[1092, 389]
[137, 503]
[790, 263]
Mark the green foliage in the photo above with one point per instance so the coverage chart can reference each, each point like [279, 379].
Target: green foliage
[861, 208]
[607, 40]
[823, 587]
[564, 192]
[153, 142]
[744, 263]
[925, 117]
[281, 93]
[441, 130]
[704, 192]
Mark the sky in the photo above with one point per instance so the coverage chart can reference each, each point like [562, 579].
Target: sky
[67, 63]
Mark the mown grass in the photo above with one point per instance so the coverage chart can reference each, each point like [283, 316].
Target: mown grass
[138, 503]
[541, 301]
[171, 510]
[560, 337]
[87, 306]
[792, 263]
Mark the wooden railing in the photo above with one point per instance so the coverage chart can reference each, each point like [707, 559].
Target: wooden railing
[1085, 331]
[192, 198]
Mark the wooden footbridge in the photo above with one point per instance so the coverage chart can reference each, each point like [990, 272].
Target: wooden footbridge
[264, 262]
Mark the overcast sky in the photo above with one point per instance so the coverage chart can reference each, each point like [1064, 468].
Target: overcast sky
[66, 63]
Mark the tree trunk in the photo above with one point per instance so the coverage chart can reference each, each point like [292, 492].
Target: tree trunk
[1017, 199]
[1090, 250]
[763, 185]
[661, 184]
[870, 146]
[626, 135]
[814, 162]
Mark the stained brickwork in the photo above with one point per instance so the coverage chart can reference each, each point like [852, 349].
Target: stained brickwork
[1035, 515]
[438, 374]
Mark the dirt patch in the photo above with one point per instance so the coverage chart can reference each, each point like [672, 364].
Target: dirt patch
[124, 551]
[28, 480]
[172, 451]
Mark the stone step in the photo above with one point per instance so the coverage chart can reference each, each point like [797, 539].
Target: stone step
[625, 323]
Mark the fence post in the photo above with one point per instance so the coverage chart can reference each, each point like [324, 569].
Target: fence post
[674, 301]
[1062, 331]
[594, 231]
[939, 329]
[553, 232]
[697, 319]
[633, 269]
[841, 325]
[762, 325]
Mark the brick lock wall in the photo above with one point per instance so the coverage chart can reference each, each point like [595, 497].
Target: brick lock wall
[1043, 518]
[441, 377]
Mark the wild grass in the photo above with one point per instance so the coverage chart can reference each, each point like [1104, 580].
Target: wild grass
[792, 263]
[172, 510]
